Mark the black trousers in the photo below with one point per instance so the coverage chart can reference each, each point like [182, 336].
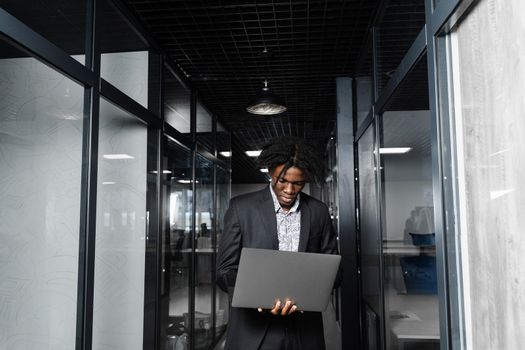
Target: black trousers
[281, 334]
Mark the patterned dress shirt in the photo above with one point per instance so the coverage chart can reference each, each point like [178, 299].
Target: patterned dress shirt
[288, 224]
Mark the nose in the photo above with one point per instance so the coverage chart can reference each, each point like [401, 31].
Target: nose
[289, 188]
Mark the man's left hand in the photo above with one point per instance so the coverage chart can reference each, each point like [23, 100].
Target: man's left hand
[288, 308]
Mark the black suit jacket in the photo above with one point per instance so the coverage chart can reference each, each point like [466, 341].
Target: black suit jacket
[250, 222]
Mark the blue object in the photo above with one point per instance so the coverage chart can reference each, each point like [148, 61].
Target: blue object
[422, 239]
[419, 273]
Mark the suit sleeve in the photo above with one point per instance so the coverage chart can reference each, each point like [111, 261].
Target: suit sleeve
[229, 251]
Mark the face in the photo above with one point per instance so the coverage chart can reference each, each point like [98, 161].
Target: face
[288, 186]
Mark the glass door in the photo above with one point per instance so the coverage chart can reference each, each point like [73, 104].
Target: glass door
[204, 252]
[409, 250]
[369, 238]
[176, 248]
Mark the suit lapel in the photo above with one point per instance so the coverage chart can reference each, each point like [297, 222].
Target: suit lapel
[305, 225]
[267, 216]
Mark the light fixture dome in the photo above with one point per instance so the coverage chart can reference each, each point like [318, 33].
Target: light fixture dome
[266, 103]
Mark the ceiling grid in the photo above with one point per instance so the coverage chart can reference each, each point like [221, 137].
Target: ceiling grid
[229, 47]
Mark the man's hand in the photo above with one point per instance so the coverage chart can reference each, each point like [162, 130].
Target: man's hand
[278, 309]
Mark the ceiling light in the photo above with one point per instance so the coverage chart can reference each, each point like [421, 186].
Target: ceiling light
[266, 103]
[109, 183]
[253, 153]
[163, 171]
[264, 170]
[394, 150]
[265, 53]
[226, 154]
[118, 156]
[186, 181]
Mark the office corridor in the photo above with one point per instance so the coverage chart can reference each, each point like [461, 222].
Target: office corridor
[127, 126]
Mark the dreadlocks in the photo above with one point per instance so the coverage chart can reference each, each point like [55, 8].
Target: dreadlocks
[292, 152]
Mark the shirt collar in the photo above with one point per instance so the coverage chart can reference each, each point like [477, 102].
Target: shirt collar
[277, 205]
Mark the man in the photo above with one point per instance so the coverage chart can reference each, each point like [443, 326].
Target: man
[278, 217]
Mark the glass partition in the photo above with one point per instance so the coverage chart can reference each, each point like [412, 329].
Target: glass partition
[176, 247]
[124, 58]
[204, 128]
[41, 130]
[369, 232]
[118, 311]
[45, 221]
[409, 253]
[177, 103]
[204, 251]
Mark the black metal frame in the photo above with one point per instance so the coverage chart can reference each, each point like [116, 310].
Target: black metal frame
[350, 287]
[440, 21]
[154, 209]
[86, 271]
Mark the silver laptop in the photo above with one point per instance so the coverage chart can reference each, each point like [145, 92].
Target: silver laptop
[266, 275]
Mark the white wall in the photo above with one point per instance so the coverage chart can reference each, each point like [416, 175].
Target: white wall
[402, 197]
[408, 187]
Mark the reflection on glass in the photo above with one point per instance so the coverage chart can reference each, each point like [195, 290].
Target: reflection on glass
[368, 221]
[118, 314]
[176, 103]
[399, 27]
[41, 120]
[204, 127]
[410, 279]
[124, 59]
[222, 304]
[61, 22]
[177, 248]
[204, 227]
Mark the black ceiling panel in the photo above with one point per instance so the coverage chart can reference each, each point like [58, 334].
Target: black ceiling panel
[228, 48]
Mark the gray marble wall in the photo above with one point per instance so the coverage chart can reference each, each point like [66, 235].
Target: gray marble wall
[488, 50]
